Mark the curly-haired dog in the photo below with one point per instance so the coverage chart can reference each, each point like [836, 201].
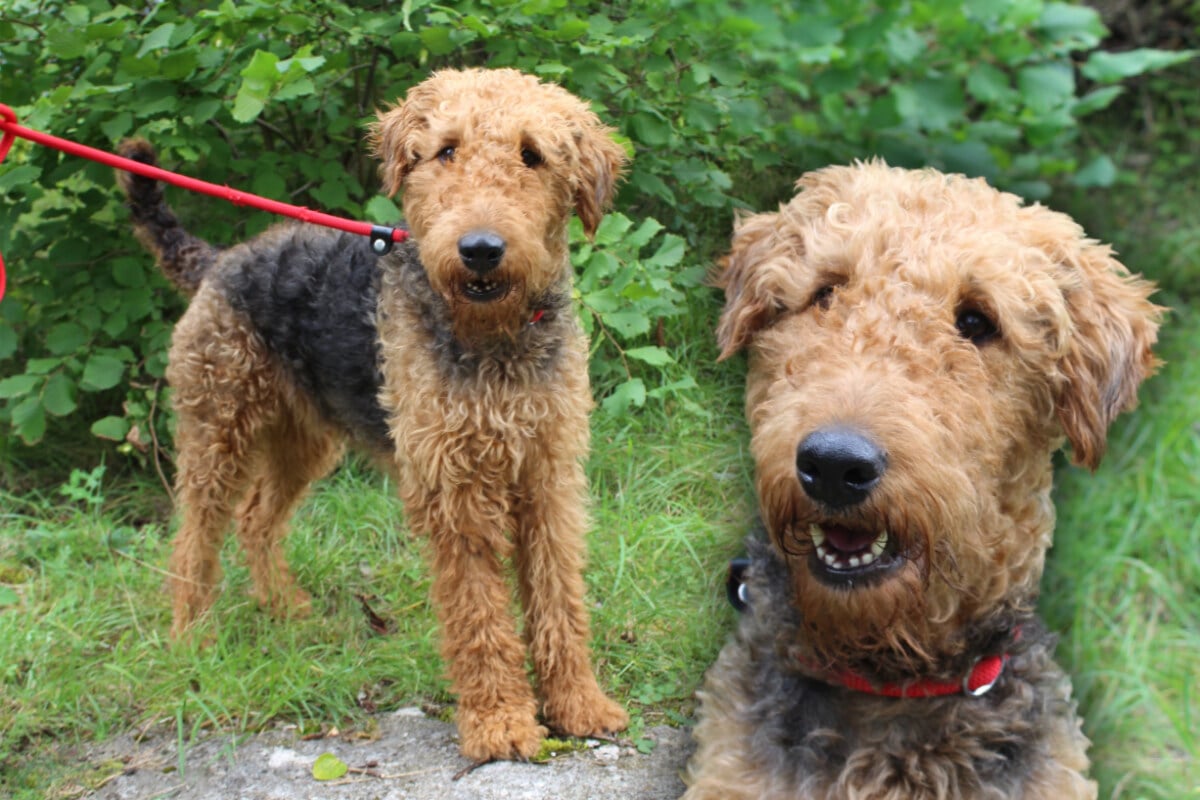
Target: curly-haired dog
[457, 360]
[920, 344]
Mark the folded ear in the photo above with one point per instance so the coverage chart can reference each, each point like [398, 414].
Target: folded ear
[601, 161]
[746, 275]
[1114, 326]
[392, 138]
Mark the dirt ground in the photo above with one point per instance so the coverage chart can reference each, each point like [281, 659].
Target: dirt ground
[413, 757]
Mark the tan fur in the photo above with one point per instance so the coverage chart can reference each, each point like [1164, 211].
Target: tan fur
[488, 455]
[968, 431]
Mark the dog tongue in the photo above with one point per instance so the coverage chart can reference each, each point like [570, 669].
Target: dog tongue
[847, 540]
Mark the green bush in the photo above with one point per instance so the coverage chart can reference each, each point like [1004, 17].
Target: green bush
[724, 105]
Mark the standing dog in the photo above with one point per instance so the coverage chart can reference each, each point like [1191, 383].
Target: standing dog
[458, 360]
[920, 345]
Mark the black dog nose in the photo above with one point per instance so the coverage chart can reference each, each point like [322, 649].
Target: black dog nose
[839, 466]
[481, 251]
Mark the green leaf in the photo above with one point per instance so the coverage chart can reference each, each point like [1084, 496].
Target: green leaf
[262, 68]
[29, 418]
[18, 385]
[8, 340]
[8, 596]
[383, 210]
[1098, 100]
[437, 40]
[19, 176]
[328, 767]
[1100, 172]
[248, 104]
[654, 356]
[59, 395]
[669, 253]
[129, 272]
[649, 228]
[158, 38]
[1105, 67]
[66, 42]
[112, 428]
[1045, 87]
[630, 393]
[1072, 23]
[64, 338]
[101, 372]
[612, 228]
[627, 323]
[117, 125]
[269, 183]
[301, 87]
[987, 84]
[939, 102]
[76, 15]
[651, 129]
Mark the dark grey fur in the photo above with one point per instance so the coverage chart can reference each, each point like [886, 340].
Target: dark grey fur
[312, 295]
[805, 729]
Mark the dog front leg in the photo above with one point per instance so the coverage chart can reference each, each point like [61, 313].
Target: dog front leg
[484, 655]
[550, 527]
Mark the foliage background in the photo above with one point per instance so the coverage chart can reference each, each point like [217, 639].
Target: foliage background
[723, 103]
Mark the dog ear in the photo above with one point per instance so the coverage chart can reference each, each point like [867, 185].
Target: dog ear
[601, 162]
[746, 276]
[1108, 354]
[392, 138]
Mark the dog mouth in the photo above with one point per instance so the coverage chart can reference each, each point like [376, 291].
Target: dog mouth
[484, 290]
[846, 555]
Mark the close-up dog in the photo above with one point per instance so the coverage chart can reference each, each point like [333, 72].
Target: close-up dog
[919, 347]
[457, 361]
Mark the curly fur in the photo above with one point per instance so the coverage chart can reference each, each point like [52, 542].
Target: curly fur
[848, 299]
[301, 340]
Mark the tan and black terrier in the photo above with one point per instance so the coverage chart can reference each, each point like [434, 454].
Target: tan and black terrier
[919, 346]
[457, 360]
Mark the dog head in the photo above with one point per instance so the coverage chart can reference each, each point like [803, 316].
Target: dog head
[491, 164]
[919, 345]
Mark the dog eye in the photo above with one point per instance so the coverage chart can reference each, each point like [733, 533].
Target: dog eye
[446, 154]
[531, 157]
[822, 298]
[974, 325]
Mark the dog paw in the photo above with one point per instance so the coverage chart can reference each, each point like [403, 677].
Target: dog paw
[502, 734]
[587, 714]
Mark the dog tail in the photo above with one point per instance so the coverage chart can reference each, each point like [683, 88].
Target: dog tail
[182, 257]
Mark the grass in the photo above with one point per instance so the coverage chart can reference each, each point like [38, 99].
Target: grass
[1121, 586]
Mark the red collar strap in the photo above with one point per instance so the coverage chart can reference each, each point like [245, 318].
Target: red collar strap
[978, 681]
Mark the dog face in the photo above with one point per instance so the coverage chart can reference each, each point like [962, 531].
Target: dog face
[920, 344]
[492, 163]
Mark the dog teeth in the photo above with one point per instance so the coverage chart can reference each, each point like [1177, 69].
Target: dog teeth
[835, 559]
[818, 535]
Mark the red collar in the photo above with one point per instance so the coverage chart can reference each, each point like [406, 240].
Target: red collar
[978, 681]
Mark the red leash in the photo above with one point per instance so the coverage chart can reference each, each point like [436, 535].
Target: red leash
[382, 236]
